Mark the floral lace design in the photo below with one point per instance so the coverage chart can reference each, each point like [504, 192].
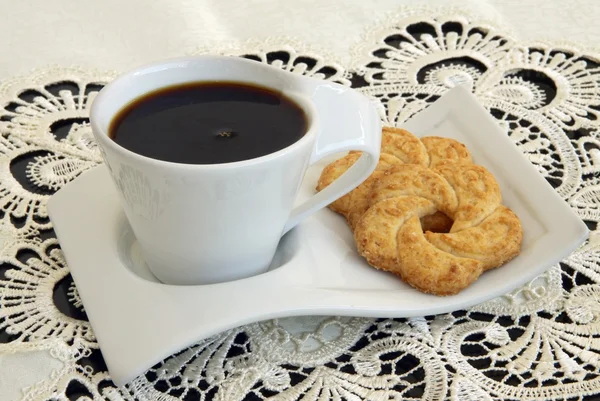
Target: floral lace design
[538, 342]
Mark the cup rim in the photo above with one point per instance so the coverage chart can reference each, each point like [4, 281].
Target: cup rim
[104, 96]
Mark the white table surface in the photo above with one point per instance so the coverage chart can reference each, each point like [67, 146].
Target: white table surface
[117, 35]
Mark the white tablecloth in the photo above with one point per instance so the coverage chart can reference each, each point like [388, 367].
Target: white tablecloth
[118, 35]
[115, 35]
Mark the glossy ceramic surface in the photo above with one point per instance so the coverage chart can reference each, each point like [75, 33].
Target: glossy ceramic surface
[204, 224]
[316, 270]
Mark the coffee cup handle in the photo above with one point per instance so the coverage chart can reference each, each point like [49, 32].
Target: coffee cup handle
[348, 121]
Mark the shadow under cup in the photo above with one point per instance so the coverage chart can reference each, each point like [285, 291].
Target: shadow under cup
[204, 224]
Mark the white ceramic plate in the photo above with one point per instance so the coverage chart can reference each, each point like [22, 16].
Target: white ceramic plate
[139, 321]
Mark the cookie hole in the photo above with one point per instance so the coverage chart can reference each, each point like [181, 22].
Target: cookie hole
[437, 222]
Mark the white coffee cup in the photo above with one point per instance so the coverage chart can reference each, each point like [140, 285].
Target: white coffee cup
[203, 224]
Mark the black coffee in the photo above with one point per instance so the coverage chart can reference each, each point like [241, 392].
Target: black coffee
[208, 123]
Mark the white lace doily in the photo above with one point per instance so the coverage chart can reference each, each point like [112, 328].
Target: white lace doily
[540, 342]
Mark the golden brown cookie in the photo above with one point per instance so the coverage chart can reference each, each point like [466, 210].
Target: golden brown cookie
[494, 242]
[397, 146]
[427, 213]
[477, 191]
[404, 145]
[376, 232]
[440, 149]
[413, 179]
[360, 198]
[389, 236]
[430, 269]
[332, 172]
[356, 199]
